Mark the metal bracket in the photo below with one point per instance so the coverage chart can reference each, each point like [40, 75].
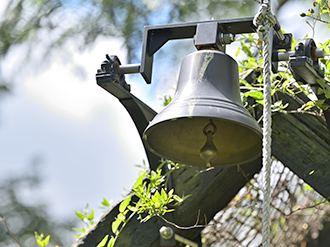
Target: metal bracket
[305, 67]
[304, 63]
[155, 37]
[278, 44]
[109, 72]
[168, 238]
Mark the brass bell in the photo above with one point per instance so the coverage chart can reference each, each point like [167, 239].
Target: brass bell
[205, 123]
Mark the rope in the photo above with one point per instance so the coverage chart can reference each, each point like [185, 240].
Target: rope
[264, 20]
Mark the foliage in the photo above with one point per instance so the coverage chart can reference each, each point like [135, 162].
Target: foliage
[153, 199]
[41, 239]
[318, 13]
[250, 63]
[87, 217]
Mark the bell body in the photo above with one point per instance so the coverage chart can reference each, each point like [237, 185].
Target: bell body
[207, 90]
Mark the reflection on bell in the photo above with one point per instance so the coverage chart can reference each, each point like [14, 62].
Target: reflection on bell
[207, 92]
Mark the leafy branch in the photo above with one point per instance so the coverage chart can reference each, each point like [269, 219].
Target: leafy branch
[153, 200]
[86, 217]
[321, 7]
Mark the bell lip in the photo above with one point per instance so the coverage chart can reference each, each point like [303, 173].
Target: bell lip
[257, 131]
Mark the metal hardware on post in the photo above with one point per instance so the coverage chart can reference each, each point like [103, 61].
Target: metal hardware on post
[304, 63]
[185, 241]
[207, 37]
[110, 72]
[168, 238]
[278, 44]
[305, 67]
[227, 38]
[129, 69]
[284, 56]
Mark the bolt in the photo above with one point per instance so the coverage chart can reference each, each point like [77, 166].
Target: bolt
[166, 232]
[227, 38]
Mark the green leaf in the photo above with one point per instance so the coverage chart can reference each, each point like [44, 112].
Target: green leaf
[133, 209]
[256, 95]
[170, 193]
[111, 242]
[46, 240]
[79, 230]
[285, 83]
[40, 242]
[163, 195]
[289, 91]
[321, 83]
[308, 105]
[91, 215]
[105, 202]
[237, 52]
[321, 104]
[139, 180]
[167, 100]
[80, 215]
[326, 93]
[115, 225]
[177, 198]
[121, 217]
[103, 242]
[156, 197]
[123, 205]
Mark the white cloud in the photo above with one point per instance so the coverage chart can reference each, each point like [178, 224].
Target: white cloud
[65, 92]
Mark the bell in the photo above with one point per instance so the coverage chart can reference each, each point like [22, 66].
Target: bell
[205, 123]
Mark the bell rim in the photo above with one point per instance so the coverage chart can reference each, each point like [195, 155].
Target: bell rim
[201, 163]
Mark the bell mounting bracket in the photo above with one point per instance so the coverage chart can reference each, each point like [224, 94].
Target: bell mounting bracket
[207, 35]
[214, 34]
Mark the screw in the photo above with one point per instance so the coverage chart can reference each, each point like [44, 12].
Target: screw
[166, 232]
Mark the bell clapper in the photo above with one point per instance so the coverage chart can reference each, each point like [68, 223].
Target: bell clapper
[209, 151]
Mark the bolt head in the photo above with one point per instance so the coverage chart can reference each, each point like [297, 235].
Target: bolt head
[166, 232]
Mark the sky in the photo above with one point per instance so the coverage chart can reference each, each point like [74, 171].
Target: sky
[85, 139]
[78, 130]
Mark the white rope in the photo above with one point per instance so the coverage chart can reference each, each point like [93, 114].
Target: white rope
[263, 21]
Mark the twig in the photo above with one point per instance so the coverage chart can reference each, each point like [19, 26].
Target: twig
[10, 233]
[312, 206]
[204, 170]
[246, 178]
[305, 112]
[185, 227]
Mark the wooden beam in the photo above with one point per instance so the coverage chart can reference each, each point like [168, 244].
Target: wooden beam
[301, 142]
